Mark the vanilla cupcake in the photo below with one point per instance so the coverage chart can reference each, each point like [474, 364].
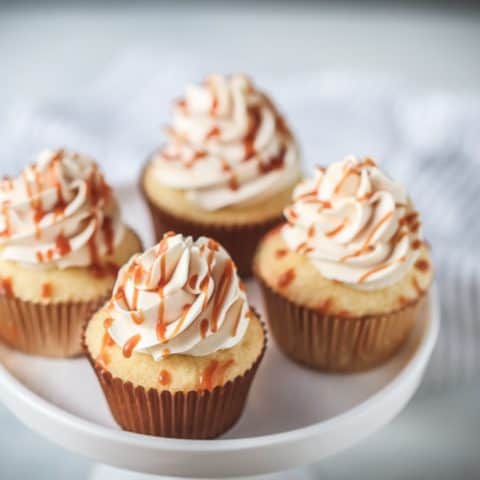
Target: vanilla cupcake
[346, 278]
[227, 170]
[61, 243]
[177, 346]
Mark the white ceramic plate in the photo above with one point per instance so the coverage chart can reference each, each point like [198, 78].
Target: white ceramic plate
[294, 416]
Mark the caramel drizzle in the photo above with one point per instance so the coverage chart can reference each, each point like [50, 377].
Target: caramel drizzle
[6, 287]
[254, 125]
[8, 224]
[375, 229]
[236, 323]
[337, 229]
[422, 265]
[47, 290]
[221, 292]
[164, 377]
[180, 322]
[275, 162]
[213, 374]
[130, 345]
[379, 268]
[62, 245]
[326, 306]
[204, 327]
[281, 252]
[286, 278]
[349, 171]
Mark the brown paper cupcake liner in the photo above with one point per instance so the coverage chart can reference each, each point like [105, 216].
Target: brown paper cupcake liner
[335, 343]
[240, 240]
[194, 415]
[51, 330]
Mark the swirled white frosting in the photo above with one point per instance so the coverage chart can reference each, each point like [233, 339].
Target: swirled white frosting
[228, 145]
[355, 224]
[179, 297]
[58, 213]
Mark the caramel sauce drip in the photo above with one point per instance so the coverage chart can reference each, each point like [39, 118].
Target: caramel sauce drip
[254, 125]
[161, 326]
[107, 341]
[214, 132]
[384, 219]
[193, 281]
[7, 231]
[365, 197]
[326, 306]
[286, 278]
[47, 290]
[336, 230]
[204, 327]
[233, 183]
[108, 234]
[180, 323]
[130, 344]
[274, 163]
[403, 300]
[121, 296]
[221, 292]
[6, 287]
[225, 166]
[281, 252]
[213, 374]
[303, 248]
[236, 323]
[137, 317]
[416, 244]
[62, 245]
[422, 265]
[377, 269]
[349, 171]
[164, 377]
[204, 290]
[213, 245]
[311, 231]
[369, 248]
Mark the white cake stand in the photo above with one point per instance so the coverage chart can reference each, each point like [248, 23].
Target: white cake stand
[294, 416]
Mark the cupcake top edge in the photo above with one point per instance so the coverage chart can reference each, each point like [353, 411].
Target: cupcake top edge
[179, 297]
[59, 213]
[355, 224]
[227, 145]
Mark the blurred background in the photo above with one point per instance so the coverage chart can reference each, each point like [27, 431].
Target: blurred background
[396, 80]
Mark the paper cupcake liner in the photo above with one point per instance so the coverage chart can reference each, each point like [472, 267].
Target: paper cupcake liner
[240, 240]
[51, 330]
[194, 414]
[335, 343]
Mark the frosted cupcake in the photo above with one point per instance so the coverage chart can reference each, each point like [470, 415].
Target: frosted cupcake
[61, 242]
[228, 168]
[177, 346]
[347, 277]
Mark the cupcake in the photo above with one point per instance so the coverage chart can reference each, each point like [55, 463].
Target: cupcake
[177, 346]
[61, 243]
[346, 278]
[228, 167]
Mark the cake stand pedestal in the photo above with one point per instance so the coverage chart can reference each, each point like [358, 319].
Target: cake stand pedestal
[294, 416]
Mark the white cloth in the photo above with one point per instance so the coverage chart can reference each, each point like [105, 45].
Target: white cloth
[431, 142]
